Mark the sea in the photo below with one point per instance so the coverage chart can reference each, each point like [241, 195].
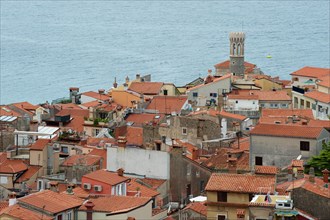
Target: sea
[49, 46]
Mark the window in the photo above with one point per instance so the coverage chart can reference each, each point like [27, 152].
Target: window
[184, 131]
[69, 216]
[284, 105]
[64, 150]
[188, 170]
[97, 131]
[201, 185]
[308, 104]
[258, 161]
[213, 94]
[221, 217]
[195, 94]
[302, 102]
[60, 217]
[304, 145]
[222, 197]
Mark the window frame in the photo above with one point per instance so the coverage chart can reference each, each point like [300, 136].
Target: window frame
[304, 146]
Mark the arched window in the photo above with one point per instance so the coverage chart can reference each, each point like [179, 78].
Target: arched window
[238, 49]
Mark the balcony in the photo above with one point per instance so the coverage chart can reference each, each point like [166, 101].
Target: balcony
[298, 90]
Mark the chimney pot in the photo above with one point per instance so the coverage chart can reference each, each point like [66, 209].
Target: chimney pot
[89, 206]
[311, 175]
[12, 199]
[120, 172]
[325, 173]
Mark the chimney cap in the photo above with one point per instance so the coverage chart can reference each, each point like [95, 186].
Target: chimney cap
[325, 171]
[89, 204]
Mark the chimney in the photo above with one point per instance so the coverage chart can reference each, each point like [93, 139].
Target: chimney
[325, 173]
[101, 91]
[69, 189]
[120, 172]
[209, 72]
[138, 77]
[53, 186]
[89, 206]
[122, 141]
[126, 80]
[194, 155]
[115, 84]
[232, 164]
[311, 175]
[12, 199]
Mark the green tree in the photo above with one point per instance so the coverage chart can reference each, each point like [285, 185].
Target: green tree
[321, 161]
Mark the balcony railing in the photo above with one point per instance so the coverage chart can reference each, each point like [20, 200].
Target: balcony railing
[299, 90]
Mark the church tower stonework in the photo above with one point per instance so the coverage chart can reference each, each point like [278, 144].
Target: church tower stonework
[236, 65]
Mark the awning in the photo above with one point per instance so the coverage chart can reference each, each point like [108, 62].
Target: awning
[286, 213]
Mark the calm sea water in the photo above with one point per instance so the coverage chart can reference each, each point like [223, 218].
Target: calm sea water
[49, 46]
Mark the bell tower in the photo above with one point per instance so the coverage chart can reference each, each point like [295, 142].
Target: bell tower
[236, 65]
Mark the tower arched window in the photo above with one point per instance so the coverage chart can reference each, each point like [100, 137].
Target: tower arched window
[234, 49]
[238, 49]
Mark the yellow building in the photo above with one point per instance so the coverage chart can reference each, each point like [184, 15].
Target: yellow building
[228, 195]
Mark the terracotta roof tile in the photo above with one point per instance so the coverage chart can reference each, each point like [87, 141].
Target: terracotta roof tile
[3, 205]
[325, 81]
[146, 88]
[117, 204]
[198, 207]
[50, 201]
[133, 186]
[40, 144]
[313, 72]
[226, 65]
[266, 170]
[99, 142]
[319, 96]
[153, 183]
[216, 113]
[167, 104]
[214, 81]
[96, 95]
[11, 166]
[134, 136]
[28, 174]
[241, 183]
[18, 212]
[221, 160]
[104, 176]
[279, 130]
[6, 111]
[79, 159]
[273, 95]
[287, 112]
[77, 115]
[140, 119]
[68, 106]
[102, 153]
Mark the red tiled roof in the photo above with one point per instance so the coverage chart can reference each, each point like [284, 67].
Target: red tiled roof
[3, 205]
[325, 81]
[198, 207]
[319, 96]
[11, 166]
[117, 204]
[244, 144]
[167, 104]
[146, 88]
[93, 141]
[77, 115]
[280, 95]
[134, 186]
[215, 113]
[317, 187]
[68, 106]
[266, 170]
[243, 97]
[50, 201]
[313, 72]
[226, 65]
[32, 170]
[39, 145]
[153, 183]
[287, 112]
[96, 95]
[18, 212]
[107, 177]
[102, 153]
[279, 130]
[79, 159]
[241, 183]
[140, 119]
[6, 111]
[214, 81]
[221, 160]
[134, 136]
[94, 103]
